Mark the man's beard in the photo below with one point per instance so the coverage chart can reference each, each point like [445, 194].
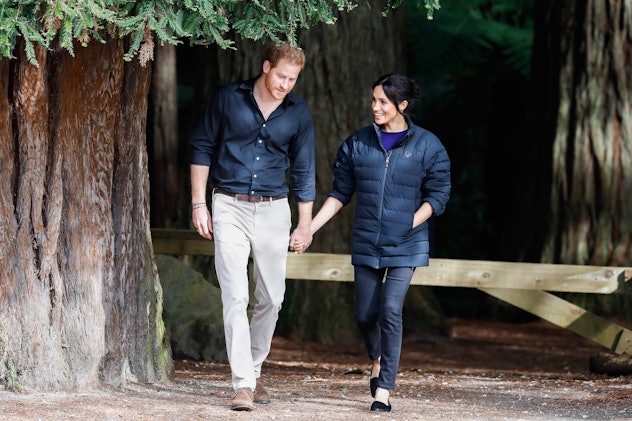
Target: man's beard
[275, 93]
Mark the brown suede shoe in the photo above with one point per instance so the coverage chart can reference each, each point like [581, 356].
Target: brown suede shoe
[261, 394]
[243, 400]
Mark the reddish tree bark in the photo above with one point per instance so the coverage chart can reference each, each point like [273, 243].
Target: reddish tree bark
[81, 301]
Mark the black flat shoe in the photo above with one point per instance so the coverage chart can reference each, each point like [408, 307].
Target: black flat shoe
[378, 406]
[373, 381]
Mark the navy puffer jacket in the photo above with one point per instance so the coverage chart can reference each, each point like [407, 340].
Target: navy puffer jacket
[390, 186]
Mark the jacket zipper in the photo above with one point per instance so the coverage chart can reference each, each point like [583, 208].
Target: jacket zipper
[379, 219]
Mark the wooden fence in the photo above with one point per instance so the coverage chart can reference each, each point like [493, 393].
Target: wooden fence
[527, 286]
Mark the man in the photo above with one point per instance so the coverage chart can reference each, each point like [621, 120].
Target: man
[251, 134]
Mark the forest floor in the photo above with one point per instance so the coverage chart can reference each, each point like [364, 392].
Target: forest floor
[485, 371]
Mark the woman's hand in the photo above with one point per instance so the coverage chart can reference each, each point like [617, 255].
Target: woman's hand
[301, 239]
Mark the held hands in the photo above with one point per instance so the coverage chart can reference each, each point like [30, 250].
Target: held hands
[300, 239]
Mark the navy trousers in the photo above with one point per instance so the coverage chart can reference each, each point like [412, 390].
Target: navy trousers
[379, 301]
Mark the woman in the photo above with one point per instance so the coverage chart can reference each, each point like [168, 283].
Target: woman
[400, 174]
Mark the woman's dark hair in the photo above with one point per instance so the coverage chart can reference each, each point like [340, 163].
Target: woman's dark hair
[399, 88]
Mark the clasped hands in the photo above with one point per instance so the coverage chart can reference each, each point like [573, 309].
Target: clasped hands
[300, 240]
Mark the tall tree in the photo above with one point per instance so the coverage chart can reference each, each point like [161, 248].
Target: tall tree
[74, 218]
[80, 301]
[582, 61]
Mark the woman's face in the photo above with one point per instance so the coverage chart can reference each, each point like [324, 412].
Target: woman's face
[384, 111]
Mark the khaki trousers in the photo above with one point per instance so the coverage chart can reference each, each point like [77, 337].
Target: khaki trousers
[240, 229]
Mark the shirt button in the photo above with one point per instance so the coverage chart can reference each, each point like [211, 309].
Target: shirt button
[257, 158]
[260, 140]
[255, 176]
[264, 124]
[252, 192]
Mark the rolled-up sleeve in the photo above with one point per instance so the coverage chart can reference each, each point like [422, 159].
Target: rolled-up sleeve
[302, 153]
[204, 138]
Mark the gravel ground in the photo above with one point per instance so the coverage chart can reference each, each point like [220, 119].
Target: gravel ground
[486, 371]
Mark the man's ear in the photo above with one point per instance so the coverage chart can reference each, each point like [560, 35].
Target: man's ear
[266, 66]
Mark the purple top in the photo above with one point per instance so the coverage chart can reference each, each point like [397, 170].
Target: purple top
[389, 139]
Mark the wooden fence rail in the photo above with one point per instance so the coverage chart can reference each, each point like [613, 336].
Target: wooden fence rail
[527, 286]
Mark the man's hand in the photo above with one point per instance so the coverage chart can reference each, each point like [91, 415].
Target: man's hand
[201, 216]
[301, 239]
[203, 222]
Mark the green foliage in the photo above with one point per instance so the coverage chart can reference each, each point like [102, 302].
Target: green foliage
[429, 5]
[170, 21]
[468, 32]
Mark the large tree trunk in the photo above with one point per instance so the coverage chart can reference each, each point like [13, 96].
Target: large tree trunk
[80, 301]
[591, 194]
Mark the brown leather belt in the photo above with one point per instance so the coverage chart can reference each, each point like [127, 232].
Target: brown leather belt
[250, 199]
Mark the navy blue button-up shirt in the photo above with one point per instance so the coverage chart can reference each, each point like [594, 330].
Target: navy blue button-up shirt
[250, 155]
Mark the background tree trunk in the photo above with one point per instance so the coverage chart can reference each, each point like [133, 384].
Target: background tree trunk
[343, 61]
[165, 170]
[80, 301]
[591, 194]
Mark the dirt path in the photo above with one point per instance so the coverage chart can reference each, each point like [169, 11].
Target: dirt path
[487, 371]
